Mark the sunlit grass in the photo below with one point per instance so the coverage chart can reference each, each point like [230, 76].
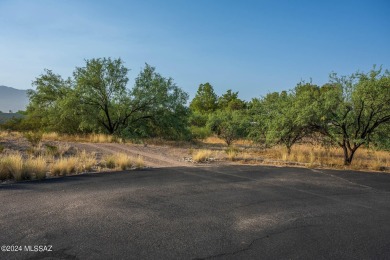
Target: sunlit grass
[36, 167]
[89, 138]
[123, 161]
[216, 140]
[202, 155]
[318, 156]
[64, 166]
[11, 167]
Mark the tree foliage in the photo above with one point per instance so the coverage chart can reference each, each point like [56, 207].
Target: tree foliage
[97, 99]
[230, 101]
[205, 100]
[228, 125]
[277, 120]
[101, 89]
[349, 111]
[158, 107]
[353, 108]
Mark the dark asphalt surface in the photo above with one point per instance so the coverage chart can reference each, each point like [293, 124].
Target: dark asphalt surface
[227, 212]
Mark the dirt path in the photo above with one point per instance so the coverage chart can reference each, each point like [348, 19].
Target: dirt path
[153, 156]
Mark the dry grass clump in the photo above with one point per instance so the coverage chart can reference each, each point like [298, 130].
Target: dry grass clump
[139, 162]
[36, 167]
[14, 166]
[231, 153]
[11, 167]
[81, 162]
[217, 140]
[64, 166]
[91, 138]
[202, 155]
[123, 161]
[87, 160]
[101, 138]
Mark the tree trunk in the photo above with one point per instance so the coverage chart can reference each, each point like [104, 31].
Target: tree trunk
[348, 154]
[288, 149]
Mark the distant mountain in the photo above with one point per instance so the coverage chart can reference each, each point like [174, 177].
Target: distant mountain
[12, 99]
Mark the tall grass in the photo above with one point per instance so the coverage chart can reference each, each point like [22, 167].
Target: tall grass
[90, 138]
[231, 153]
[82, 162]
[202, 155]
[13, 166]
[36, 167]
[64, 166]
[217, 140]
[123, 161]
[87, 160]
[315, 155]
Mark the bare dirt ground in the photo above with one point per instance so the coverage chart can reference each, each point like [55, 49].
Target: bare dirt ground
[154, 156]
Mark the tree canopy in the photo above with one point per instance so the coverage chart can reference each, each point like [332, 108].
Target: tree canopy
[348, 111]
[97, 99]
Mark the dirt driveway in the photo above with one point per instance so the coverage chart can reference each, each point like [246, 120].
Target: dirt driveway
[154, 156]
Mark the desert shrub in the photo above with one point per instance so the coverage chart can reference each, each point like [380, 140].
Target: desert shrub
[200, 132]
[34, 138]
[51, 150]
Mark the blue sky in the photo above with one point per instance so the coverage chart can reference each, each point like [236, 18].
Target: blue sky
[253, 47]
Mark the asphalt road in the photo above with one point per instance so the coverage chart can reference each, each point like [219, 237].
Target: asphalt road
[228, 212]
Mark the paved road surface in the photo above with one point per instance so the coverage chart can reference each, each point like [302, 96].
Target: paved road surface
[228, 212]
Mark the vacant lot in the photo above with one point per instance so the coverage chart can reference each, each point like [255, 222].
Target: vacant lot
[200, 212]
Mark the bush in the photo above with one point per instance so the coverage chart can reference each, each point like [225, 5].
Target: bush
[200, 132]
[51, 150]
[34, 138]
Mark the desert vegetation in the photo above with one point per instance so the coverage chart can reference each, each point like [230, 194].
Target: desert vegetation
[40, 159]
[343, 123]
